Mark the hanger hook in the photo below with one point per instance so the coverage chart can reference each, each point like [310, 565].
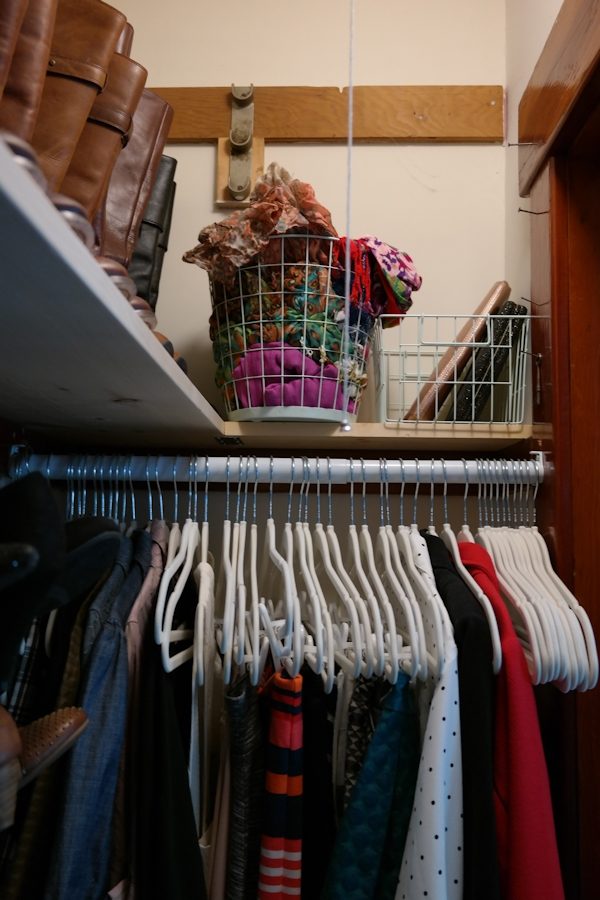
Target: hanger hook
[131, 490]
[255, 488]
[175, 491]
[289, 508]
[149, 489]
[206, 480]
[352, 490]
[329, 502]
[479, 492]
[271, 465]
[161, 505]
[432, 491]
[245, 507]
[364, 490]
[189, 508]
[466, 468]
[417, 482]
[445, 494]
[102, 499]
[239, 489]
[306, 476]
[195, 488]
[402, 486]
[536, 489]
[227, 472]
[319, 489]
[381, 488]
[386, 476]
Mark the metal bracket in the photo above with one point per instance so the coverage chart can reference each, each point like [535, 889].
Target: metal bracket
[240, 140]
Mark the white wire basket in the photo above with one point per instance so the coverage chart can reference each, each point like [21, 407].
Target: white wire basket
[284, 347]
[454, 368]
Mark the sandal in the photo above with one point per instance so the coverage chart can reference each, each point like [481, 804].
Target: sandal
[27, 751]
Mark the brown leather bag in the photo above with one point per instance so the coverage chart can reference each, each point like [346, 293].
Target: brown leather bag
[12, 13]
[85, 36]
[106, 132]
[133, 177]
[23, 90]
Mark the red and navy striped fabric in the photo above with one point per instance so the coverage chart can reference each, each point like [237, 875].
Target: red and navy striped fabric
[281, 841]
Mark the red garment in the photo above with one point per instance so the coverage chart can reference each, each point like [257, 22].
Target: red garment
[527, 851]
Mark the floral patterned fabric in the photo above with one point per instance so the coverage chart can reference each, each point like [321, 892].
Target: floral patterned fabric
[280, 205]
[278, 278]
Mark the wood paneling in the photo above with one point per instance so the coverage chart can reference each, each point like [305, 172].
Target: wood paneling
[448, 113]
[583, 264]
[566, 68]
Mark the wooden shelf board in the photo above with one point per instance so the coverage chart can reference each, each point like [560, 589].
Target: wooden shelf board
[382, 113]
[375, 436]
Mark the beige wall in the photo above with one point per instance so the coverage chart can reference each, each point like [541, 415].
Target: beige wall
[446, 205]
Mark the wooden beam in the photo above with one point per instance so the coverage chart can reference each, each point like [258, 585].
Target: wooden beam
[562, 76]
[448, 113]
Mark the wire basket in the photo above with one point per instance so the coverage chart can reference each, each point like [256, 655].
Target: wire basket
[454, 369]
[286, 344]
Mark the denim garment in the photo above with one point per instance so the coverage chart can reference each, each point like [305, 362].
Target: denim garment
[82, 844]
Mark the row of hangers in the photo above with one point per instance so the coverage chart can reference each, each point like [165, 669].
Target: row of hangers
[357, 602]
[354, 601]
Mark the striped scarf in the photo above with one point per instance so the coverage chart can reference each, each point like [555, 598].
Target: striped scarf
[281, 840]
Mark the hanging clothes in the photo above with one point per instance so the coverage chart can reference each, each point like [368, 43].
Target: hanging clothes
[281, 840]
[527, 849]
[432, 865]
[82, 841]
[368, 850]
[476, 692]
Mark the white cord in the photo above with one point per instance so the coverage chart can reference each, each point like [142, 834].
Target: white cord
[345, 423]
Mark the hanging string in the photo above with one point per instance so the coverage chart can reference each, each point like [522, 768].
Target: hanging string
[348, 273]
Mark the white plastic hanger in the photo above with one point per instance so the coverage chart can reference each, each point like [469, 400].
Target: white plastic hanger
[357, 574]
[225, 595]
[257, 642]
[398, 609]
[333, 654]
[526, 626]
[428, 604]
[361, 593]
[566, 673]
[341, 606]
[577, 627]
[173, 569]
[293, 662]
[310, 606]
[276, 590]
[187, 557]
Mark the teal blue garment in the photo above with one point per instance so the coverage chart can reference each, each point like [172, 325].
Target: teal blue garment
[368, 850]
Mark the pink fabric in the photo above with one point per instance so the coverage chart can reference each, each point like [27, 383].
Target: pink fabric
[527, 850]
[277, 375]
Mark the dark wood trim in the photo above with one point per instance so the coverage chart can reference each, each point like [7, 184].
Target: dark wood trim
[565, 70]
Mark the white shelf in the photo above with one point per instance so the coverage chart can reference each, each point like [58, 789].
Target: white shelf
[78, 367]
[76, 361]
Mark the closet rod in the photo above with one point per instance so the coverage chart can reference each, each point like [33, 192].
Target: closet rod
[282, 470]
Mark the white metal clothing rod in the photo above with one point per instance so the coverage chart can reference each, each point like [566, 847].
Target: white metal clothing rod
[278, 470]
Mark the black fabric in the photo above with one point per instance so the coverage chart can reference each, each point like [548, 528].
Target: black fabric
[319, 831]
[488, 363]
[476, 694]
[147, 258]
[247, 759]
[29, 514]
[166, 857]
